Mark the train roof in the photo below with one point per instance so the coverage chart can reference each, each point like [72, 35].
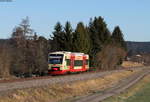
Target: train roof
[66, 52]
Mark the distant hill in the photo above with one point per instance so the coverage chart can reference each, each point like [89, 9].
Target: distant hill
[138, 47]
[3, 41]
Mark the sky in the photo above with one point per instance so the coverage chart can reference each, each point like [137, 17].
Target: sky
[133, 16]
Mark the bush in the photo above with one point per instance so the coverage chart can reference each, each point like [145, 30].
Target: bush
[110, 57]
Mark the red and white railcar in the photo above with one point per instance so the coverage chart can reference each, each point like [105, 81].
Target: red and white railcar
[63, 62]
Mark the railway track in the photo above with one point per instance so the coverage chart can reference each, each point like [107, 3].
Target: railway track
[115, 89]
[48, 76]
[47, 80]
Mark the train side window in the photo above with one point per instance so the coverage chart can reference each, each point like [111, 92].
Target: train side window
[78, 63]
[68, 62]
[87, 62]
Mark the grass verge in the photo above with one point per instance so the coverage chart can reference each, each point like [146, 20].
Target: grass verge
[137, 93]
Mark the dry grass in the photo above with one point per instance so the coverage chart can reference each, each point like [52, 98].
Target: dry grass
[131, 64]
[59, 92]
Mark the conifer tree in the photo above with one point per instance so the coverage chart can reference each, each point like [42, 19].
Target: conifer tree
[95, 42]
[81, 39]
[117, 37]
[62, 37]
[99, 35]
[58, 38]
[101, 29]
[68, 36]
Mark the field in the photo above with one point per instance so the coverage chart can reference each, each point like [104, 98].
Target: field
[138, 93]
[127, 64]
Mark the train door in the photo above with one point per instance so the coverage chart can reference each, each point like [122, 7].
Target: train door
[72, 63]
[84, 63]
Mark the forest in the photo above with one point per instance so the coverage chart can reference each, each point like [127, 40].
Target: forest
[25, 53]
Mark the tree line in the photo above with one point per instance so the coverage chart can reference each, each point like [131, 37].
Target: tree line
[25, 53]
[94, 39]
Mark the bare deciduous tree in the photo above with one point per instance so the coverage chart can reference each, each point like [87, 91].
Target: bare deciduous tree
[110, 57]
[5, 61]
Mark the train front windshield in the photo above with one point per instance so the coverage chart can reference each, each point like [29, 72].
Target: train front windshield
[55, 58]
